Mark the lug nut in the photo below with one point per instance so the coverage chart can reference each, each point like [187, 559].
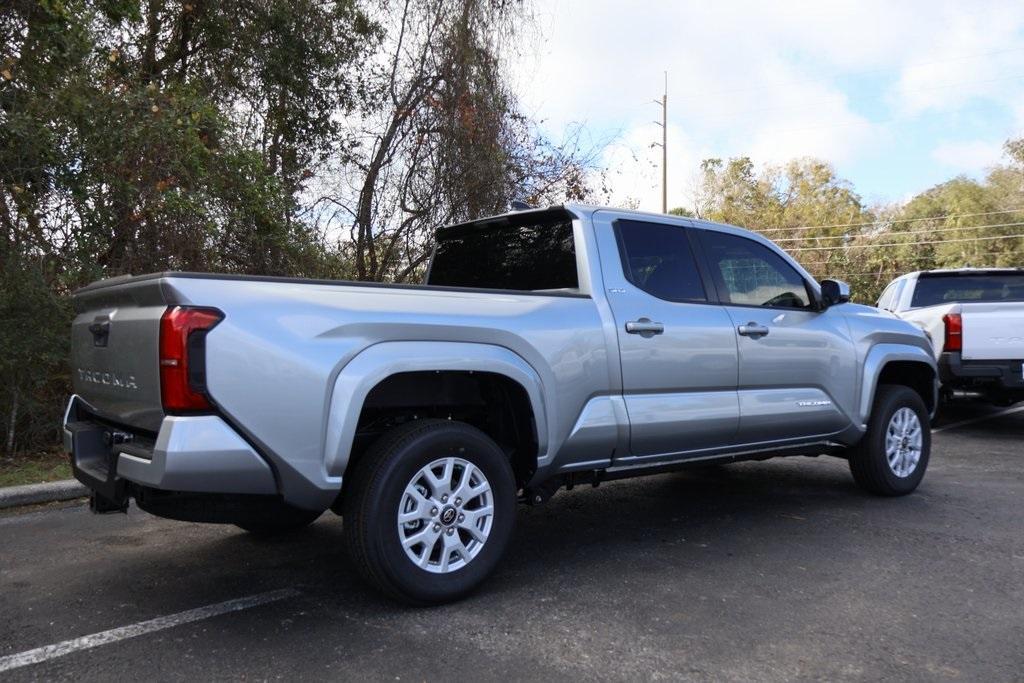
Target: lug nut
[444, 498]
[462, 518]
[451, 531]
[458, 501]
[433, 511]
[437, 527]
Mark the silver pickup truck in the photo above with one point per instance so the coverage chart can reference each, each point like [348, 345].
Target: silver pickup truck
[547, 348]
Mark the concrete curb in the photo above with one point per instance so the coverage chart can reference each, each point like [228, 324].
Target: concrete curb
[13, 496]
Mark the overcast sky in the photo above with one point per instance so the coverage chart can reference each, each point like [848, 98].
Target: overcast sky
[898, 95]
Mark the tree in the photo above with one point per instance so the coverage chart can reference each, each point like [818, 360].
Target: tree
[822, 221]
[443, 140]
[142, 136]
[804, 206]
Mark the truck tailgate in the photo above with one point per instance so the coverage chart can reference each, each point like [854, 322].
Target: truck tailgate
[993, 331]
[115, 341]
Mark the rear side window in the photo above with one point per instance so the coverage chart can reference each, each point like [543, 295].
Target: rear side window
[885, 301]
[897, 295]
[932, 290]
[751, 274]
[657, 258]
[532, 252]
[890, 299]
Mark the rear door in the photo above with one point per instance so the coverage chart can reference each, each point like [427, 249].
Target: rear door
[115, 341]
[677, 349]
[797, 365]
[993, 331]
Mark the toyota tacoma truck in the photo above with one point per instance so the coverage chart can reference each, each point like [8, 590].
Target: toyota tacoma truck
[547, 348]
[974, 318]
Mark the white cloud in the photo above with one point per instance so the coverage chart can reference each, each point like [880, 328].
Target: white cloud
[974, 55]
[634, 167]
[774, 81]
[973, 156]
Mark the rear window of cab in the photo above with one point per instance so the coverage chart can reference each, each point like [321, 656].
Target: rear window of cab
[532, 252]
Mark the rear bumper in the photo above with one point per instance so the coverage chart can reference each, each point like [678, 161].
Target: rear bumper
[200, 454]
[987, 376]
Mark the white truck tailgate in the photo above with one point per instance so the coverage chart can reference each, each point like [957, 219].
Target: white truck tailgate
[993, 331]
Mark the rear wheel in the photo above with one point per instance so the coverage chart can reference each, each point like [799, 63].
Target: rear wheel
[430, 511]
[892, 457]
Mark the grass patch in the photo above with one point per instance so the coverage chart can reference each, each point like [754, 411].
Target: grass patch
[34, 469]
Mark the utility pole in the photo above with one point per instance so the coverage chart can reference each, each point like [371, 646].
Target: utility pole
[663, 102]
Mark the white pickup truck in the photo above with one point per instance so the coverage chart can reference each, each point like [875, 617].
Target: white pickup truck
[975, 320]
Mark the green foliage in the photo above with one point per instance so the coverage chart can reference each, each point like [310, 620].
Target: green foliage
[823, 222]
[35, 469]
[164, 135]
[33, 353]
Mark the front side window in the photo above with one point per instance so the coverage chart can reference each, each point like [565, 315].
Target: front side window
[751, 274]
[657, 258]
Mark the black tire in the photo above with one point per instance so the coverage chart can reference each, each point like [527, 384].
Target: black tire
[277, 520]
[376, 490]
[868, 462]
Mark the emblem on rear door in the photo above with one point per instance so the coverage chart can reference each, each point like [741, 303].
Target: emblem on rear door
[108, 379]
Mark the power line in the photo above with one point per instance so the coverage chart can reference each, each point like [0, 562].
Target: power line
[899, 234]
[884, 222]
[906, 244]
[884, 275]
[889, 263]
[899, 259]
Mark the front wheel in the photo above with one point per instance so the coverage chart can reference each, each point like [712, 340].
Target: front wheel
[430, 511]
[892, 457]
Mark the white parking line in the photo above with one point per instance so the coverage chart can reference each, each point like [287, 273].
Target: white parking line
[961, 423]
[41, 654]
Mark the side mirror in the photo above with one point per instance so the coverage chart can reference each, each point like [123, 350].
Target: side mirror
[834, 292]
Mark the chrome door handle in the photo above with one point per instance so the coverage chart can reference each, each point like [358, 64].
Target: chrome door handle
[752, 329]
[645, 327]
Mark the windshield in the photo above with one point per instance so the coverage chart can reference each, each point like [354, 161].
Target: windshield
[932, 290]
[532, 252]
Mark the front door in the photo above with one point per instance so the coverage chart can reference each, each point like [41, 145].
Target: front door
[678, 351]
[796, 363]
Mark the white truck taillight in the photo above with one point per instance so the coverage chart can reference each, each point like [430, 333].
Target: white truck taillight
[954, 332]
[182, 357]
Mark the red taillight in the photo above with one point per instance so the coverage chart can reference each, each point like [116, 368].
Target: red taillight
[954, 332]
[182, 367]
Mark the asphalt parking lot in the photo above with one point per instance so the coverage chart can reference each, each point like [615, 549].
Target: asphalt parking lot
[778, 570]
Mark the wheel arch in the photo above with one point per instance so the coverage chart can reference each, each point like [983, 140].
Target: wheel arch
[382, 377]
[909, 366]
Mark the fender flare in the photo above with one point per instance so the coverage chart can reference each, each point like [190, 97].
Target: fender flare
[877, 358]
[378, 362]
